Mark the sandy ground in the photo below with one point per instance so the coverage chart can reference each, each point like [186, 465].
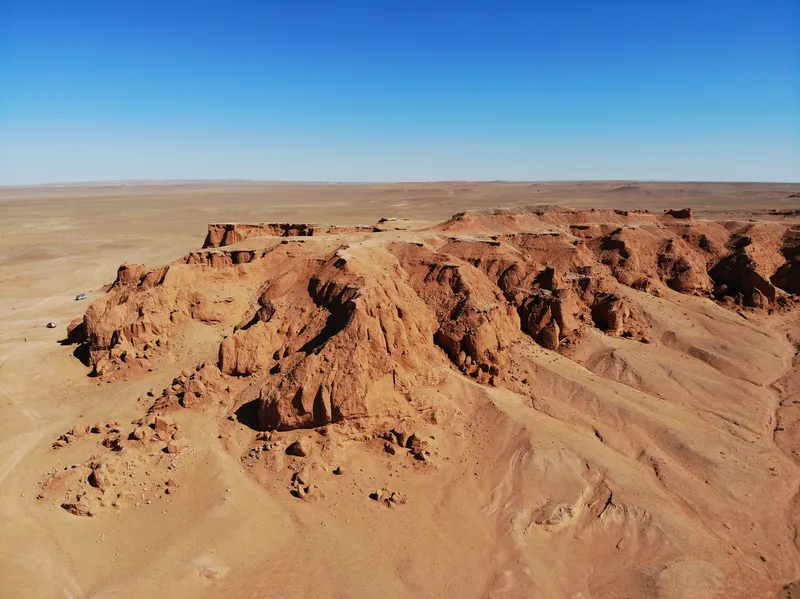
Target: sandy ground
[722, 503]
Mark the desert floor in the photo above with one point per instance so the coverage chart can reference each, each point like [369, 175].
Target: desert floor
[723, 513]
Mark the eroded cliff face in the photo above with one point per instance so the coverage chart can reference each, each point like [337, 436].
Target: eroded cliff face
[338, 331]
[220, 235]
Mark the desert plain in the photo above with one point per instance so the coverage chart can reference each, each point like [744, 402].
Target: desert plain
[522, 390]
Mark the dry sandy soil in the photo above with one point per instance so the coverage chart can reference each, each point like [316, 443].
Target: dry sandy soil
[531, 402]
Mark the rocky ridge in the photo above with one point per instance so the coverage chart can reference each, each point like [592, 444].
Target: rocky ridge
[335, 332]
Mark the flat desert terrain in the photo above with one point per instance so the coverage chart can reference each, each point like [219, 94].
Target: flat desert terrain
[473, 390]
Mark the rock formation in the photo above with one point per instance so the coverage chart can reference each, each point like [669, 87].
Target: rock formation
[317, 331]
[587, 382]
[220, 235]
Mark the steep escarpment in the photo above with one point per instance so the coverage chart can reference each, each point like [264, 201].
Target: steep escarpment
[220, 235]
[289, 308]
[367, 345]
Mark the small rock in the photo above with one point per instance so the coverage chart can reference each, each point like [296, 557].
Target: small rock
[338, 471]
[388, 498]
[396, 498]
[82, 507]
[401, 434]
[302, 477]
[163, 424]
[309, 493]
[113, 443]
[174, 447]
[549, 337]
[100, 476]
[140, 433]
[300, 448]
[418, 447]
[78, 431]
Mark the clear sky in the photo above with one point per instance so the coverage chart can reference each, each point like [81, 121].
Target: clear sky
[414, 90]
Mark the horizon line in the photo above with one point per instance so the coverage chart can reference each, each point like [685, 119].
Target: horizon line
[300, 182]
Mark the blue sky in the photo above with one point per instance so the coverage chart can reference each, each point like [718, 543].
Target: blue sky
[375, 91]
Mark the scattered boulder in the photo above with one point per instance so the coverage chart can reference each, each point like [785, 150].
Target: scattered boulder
[163, 424]
[300, 448]
[549, 336]
[389, 498]
[309, 493]
[82, 507]
[418, 447]
[174, 446]
[100, 476]
[140, 433]
[79, 430]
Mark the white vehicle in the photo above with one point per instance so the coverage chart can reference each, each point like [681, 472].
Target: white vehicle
[51, 325]
[80, 296]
